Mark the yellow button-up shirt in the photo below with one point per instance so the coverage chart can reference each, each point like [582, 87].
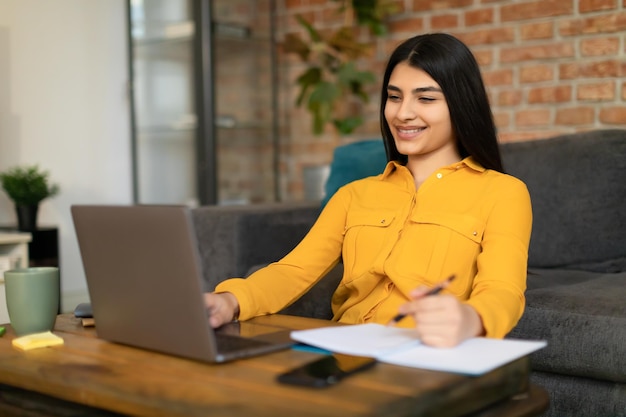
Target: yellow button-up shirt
[463, 220]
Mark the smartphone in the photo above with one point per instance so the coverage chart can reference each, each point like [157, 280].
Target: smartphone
[326, 371]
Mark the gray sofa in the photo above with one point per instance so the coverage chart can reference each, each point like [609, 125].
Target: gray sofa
[576, 297]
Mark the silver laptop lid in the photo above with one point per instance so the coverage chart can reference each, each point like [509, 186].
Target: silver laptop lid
[144, 278]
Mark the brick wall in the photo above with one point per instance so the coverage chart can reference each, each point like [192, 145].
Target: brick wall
[550, 66]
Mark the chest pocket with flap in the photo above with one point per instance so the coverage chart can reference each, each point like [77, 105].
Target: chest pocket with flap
[440, 244]
[365, 235]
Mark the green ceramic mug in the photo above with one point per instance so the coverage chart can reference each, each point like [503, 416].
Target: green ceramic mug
[32, 298]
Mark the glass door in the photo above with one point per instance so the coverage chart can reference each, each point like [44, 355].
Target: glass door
[203, 101]
[163, 36]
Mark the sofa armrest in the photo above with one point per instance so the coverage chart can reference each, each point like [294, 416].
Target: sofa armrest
[232, 239]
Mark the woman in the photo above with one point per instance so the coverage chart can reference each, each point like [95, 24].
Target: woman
[442, 207]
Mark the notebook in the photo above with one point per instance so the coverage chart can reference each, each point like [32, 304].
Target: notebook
[400, 346]
[144, 278]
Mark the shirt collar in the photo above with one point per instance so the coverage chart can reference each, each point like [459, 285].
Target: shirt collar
[471, 163]
[468, 162]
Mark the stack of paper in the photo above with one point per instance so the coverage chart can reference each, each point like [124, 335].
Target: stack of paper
[400, 346]
[37, 340]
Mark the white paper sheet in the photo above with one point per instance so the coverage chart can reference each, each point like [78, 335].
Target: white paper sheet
[399, 346]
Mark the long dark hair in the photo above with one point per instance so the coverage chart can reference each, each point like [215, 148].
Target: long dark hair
[451, 64]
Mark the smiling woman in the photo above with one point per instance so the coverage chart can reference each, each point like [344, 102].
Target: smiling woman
[418, 117]
[441, 207]
[449, 66]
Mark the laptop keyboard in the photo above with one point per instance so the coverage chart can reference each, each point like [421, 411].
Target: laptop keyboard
[230, 343]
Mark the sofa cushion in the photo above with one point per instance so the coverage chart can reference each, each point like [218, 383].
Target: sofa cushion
[577, 187]
[233, 239]
[584, 397]
[582, 315]
[352, 162]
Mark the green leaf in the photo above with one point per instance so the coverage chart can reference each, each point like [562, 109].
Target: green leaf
[347, 125]
[332, 74]
[27, 185]
[324, 92]
[348, 74]
[320, 104]
[313, 34]
[320, 111]
[307, 80]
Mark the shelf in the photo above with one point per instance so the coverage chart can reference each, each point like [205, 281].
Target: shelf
[185, 31]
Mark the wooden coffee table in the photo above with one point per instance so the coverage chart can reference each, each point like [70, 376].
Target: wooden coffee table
[107, 379]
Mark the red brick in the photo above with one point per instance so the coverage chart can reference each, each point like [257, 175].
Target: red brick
[596, 91]
[599, 46]
[613, 115]
[543, 30]
[608, 23]
[488, 36]
[586, 6]
[502, 119]
[536, 73]
[425, 5]
[411, 25]
[478, 17]
[575, 116]
[498, 77]
[535, 117]
[483, 57]
[547, 51]
[557, 94]
[535, 9]
[601, 69]
[569, 71]
[509, 98]
[293, 4]
[445, 21]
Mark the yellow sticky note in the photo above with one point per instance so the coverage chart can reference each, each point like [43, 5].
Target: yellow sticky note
[37, 340]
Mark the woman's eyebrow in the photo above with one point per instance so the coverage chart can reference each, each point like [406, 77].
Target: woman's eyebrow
[417, 90]
[429, 89]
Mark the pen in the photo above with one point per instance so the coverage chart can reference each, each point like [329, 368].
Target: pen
[434, 290]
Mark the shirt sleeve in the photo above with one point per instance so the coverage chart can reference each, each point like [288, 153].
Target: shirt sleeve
[271, 289]
[498, 288]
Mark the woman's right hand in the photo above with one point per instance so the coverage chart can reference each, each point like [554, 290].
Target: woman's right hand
[221, 308]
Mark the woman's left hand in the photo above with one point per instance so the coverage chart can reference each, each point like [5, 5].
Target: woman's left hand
[442, 320]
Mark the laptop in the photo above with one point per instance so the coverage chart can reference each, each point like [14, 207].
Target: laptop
[144, 278]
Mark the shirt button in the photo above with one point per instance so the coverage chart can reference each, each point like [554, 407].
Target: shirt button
[439, 175]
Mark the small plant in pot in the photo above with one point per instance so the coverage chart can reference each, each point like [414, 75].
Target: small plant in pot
[27, 186]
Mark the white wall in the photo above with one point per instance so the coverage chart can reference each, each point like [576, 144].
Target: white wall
[64, 106]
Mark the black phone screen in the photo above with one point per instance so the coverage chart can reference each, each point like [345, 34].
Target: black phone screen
[326, 371]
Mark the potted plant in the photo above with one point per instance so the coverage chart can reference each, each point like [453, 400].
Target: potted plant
[27, 186]
[331, 73]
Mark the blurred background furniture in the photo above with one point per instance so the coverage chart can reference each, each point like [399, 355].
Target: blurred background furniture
[13, 254]
[203, 89]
